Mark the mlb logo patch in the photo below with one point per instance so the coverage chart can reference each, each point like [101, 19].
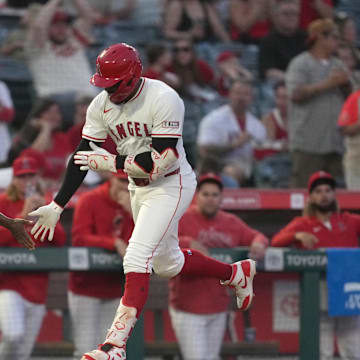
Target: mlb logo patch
[171, 124]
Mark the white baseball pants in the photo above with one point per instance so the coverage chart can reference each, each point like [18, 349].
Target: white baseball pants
[347, 331]
[90, 319]
[20, 323]
[157, 209]
[199, 336]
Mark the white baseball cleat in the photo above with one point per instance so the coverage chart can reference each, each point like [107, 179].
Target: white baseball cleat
[242, 276]
[106, 352]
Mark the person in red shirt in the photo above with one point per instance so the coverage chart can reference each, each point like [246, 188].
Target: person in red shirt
[349, 123]
[41, 138]
[198, 305]
[323, 225]
[94, 297]
[159, 59]
[314, 9]
[249, 20]
[22, 295]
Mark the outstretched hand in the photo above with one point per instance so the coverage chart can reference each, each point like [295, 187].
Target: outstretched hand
[48, 215]
[17, 228]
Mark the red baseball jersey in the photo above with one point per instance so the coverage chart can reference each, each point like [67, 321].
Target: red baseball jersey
[98, 222]
[32, 286]
[344, 232]
[205, 295]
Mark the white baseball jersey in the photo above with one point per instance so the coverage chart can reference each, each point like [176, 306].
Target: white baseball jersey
[156, 110]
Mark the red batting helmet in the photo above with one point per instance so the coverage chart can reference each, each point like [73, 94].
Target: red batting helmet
[119, 63]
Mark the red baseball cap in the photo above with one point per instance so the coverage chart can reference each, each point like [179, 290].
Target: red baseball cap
[225, 55]
[25, 165]
[210, 178]
[120, 174]
[319, 178]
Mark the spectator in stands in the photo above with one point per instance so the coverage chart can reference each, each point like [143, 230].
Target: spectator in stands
[321, 226]
[230, 70]
[228, 133]
[347, 32]
[274, 166]
[312, 10]
[56, 52]
[159, 60]
[41, 137]
[199, 315]
[7, 114]
[196, 76]
[276, 122]
[349, 123]
[315, 81]
[249, 20]
[352, 9]
[13, 44]
[193, 20]
[22, 295]
[347, 55]
[107, 11]
[95, 296]
[284, 41]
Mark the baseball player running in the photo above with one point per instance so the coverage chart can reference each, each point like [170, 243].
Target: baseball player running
[144, 117]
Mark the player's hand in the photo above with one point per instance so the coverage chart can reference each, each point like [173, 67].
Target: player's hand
[257, 250]
[17, 228]
[308, 240]
[48, 215]
[98, 159]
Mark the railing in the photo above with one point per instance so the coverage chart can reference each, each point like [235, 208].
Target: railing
[308, 263]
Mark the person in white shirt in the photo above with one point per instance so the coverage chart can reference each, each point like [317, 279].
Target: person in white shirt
[228, 133]
[55, 50]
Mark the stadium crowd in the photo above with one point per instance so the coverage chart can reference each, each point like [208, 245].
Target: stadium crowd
[271, 91]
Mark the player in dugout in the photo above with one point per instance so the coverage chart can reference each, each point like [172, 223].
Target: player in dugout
[144, 117]
[321, 226]
[200, 320]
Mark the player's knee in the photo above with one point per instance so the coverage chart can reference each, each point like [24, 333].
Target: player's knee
[136, 261]
[167, 266]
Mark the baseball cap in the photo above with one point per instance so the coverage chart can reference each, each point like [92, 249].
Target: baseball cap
[319, 178]
[120, 174]
[210, 178]
[25, 165]
[225, 55]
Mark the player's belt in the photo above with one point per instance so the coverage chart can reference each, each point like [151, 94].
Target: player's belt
[145, 182]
